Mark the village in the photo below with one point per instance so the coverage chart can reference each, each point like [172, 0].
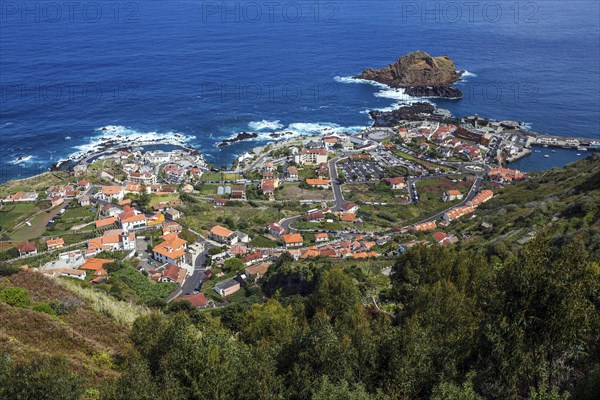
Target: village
[198, 233]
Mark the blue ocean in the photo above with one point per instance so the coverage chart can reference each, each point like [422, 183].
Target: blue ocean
[211, 69]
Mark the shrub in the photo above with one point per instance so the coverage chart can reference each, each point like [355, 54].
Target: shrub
[8, 270]
[66, 306]
[122, 312]
[42, 378]
[145, 289]
[114, 267]
[9, 254]
[44, 308]
[233, 264]
[15, 296]
[103, 360]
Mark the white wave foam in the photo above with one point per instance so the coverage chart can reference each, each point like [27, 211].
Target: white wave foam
[319, 128]
[386, 91]
[395, 94]
[350, 79]
[127, 136]
[265, 125]
[298, 129]
[21, 160]
[468, 74]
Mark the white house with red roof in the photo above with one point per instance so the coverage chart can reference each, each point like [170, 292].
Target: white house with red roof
[396, 183]
[27, 249]
[311, 156]
[108, 193]
[276, 229]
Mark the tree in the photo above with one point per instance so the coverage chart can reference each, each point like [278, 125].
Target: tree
[144, 199]
[114, 266]
[135, 382]
[270, 323]
[545, 318]
[317, 353]
[186, 234]
[451, 391]
[7, 269]
[325, 390]
[233, 264]
[41, 378]
[338, 296]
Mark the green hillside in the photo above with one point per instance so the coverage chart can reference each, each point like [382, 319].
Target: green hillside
[512, 312]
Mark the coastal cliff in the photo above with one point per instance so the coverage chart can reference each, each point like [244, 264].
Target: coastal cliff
[420, 74]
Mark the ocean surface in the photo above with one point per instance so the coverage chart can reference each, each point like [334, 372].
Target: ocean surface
[210, 69]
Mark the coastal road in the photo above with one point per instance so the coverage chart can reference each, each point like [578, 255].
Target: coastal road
[336, 187]
[472, 193]
[196, 279]
[337, 195]
[287, 222]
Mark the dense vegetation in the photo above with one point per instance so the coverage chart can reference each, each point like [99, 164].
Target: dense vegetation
[472, 321]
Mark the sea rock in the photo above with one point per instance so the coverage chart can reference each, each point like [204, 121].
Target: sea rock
[420, 73]
[240, 136]
[412, 112]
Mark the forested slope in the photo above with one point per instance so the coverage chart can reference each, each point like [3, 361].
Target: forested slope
[503, 315]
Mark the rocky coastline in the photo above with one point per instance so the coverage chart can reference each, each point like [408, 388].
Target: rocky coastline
[413, 112]
[238, 138]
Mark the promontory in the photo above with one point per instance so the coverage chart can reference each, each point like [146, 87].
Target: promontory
[420, 74]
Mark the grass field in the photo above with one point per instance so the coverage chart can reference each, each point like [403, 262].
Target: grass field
[35, 183]
[202, 216]
[208, 189]
[74, 216]
[12, 214]
[395, 213]
[220, 177]
[291, 191]
[37, 228]
[160, 199]
[371, 192]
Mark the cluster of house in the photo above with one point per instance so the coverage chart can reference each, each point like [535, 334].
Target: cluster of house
[73, 265]
[313, 153]
[110, 193]
[128, 218]
[448, 140]
[347, 213]
[179, 166]
[324, 247]
[360, 248]
[456, 212]
[469, 207]
[256, 264]
[21, 197]
[504, 175]
[255, 260]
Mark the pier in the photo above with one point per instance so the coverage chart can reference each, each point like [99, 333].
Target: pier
[564, 142]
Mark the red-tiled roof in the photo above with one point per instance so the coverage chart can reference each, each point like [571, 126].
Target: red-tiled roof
[221, 231]
[196, 300]
[293, 238]
[27, 247]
